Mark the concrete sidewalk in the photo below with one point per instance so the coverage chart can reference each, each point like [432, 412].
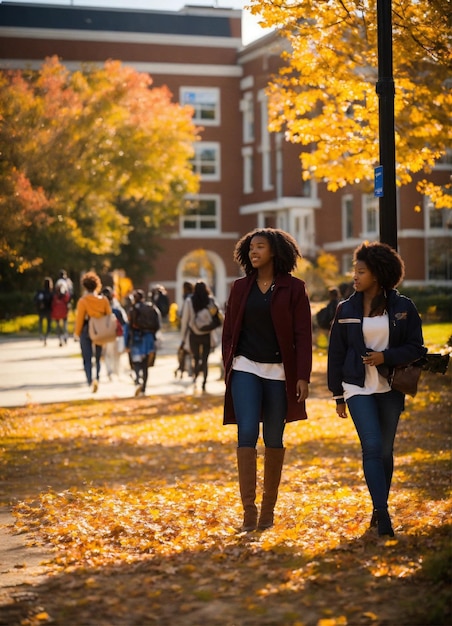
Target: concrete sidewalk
[31, 373]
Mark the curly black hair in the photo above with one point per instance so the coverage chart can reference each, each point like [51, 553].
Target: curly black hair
[383, 261]
[91, 282]
[284, 247]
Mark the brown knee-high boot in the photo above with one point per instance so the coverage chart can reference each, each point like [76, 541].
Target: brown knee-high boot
[246, 462]
[273, 462]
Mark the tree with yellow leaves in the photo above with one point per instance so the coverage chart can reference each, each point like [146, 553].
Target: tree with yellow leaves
[324, 97]
[89, 159]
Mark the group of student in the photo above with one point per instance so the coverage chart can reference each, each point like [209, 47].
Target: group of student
[267, 356]
[53, 301]
[136, 332]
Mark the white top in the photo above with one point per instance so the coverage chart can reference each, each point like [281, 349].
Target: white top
[272, 371]
[376, 338]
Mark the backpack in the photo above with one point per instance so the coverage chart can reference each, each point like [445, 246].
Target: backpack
[209, 318]
[41, 300]
[145, 317]
[102, 329]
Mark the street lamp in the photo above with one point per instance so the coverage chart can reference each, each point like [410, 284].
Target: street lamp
[386, 92]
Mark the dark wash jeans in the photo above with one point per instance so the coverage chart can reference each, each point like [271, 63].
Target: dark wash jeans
[256, 397]
[86, 347]
[376, 418]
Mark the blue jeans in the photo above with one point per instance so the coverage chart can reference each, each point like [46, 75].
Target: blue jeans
[86, 347]
[258, 398]
[376, 418]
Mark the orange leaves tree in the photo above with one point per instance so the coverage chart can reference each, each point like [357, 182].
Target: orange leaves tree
[324, 97]
[79, 151]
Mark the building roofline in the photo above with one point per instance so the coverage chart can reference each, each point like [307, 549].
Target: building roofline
[196, 21]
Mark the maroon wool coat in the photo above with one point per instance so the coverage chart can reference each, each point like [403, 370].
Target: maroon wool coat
[291, 315]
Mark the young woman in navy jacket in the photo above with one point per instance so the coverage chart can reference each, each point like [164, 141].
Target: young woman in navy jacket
[374, 330]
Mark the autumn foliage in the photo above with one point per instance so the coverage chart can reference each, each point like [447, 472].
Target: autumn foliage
[78, 150]
[324, 97]
[138, 500]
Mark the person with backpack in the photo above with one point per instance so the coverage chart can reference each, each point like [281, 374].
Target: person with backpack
[112, 350]
[159, 297]
[144, 322]
[43, 301]
[91, 304]
[200, 316]
[60, 309]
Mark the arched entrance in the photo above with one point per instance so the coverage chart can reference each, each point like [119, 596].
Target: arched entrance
[206, 265]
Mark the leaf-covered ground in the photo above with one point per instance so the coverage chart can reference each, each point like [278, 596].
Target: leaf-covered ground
[139, 501]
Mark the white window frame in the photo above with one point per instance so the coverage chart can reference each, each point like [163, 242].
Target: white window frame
[346, 202]
[248, 166]
[439, 241]
[200, 222]
[203, 100]
[207, 169]
[247, 109]
[370, 212]
[267, 183]
[443, 217]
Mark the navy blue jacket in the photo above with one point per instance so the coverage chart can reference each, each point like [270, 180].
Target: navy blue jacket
[346, 346]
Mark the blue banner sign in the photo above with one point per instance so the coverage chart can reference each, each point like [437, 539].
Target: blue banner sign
[378, 181]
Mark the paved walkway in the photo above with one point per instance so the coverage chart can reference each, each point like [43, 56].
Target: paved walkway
[31, 373]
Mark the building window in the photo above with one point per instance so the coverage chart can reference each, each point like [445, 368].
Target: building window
[347, 264]
[307, 188]
[205, 103]
[267, 181]
[439, 259]
[201, 215]
[347, 217]
[247, 154]
[445, 161]
[439, 245]
[438, 218]
[247, 108]
[206, 161]
[370, 215]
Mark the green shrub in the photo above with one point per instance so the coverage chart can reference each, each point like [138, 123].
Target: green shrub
[433, 303]
[16, 303]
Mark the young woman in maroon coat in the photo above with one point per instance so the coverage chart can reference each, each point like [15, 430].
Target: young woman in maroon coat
[267, 355]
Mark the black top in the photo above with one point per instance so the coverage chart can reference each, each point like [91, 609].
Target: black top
[258, 341]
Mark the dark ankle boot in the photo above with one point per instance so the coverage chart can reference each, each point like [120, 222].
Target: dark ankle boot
[373, 519]
[273, 462]
[384, 523]
[247, 466]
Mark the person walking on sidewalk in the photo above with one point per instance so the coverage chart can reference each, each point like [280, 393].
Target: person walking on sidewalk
[144, 323]
[112, 350]
[92, 304]
[60, 310]
[374, 328]
[199, 340]
[267, 355]
[43, 301]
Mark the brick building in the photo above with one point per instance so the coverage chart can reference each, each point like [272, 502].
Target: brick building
[249, 177]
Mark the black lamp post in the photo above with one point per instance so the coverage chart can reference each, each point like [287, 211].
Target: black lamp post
[386, 92]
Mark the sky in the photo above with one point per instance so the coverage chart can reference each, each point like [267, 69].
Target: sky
[250, 27]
